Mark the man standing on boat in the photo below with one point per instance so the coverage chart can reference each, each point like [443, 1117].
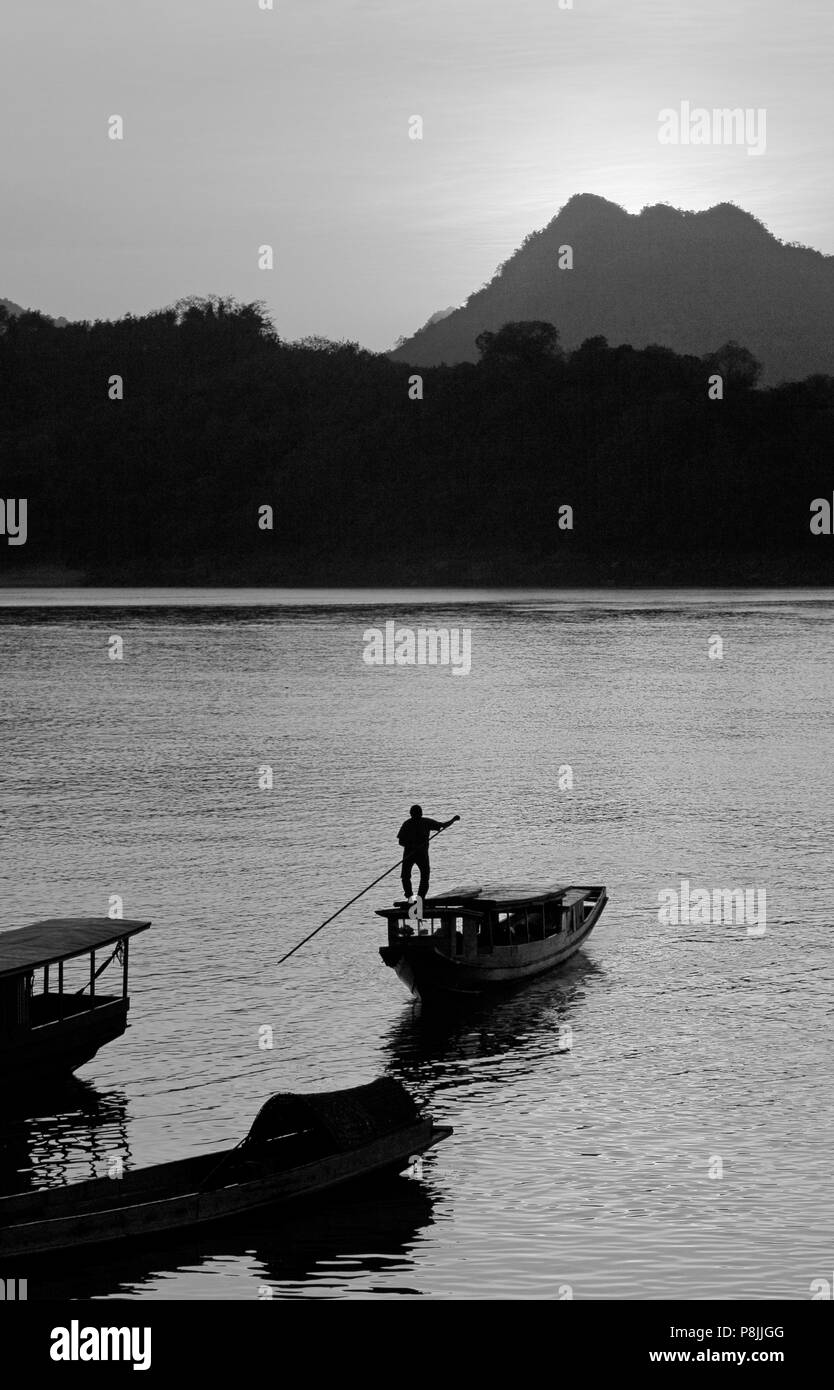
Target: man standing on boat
[414, 838]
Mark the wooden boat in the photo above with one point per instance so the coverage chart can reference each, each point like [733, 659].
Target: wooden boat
[485, 937]
[46, 1034]
[298, 1145]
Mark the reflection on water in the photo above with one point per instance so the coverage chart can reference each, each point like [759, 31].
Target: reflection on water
[588, 1108]
[435, 1048]
[69, 1132]
[339, 1244]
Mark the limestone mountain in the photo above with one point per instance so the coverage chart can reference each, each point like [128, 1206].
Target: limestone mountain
[689, 281]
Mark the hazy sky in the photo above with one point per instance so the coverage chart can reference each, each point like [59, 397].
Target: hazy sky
[290, 127]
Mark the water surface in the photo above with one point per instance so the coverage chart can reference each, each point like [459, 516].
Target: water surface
[583, 1170]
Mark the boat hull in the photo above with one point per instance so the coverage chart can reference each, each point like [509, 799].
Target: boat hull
[55, 1050]
[428, 972]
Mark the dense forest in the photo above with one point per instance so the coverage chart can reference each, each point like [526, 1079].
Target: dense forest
[371, 484]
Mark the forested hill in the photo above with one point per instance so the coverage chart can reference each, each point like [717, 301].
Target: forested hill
[370, 485]
[687, 280]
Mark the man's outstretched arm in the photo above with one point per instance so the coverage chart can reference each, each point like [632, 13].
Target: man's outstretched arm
[438, 824]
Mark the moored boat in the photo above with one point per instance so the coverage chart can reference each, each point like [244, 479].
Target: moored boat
[298, 1145]
[480, 938]
[46, 1033]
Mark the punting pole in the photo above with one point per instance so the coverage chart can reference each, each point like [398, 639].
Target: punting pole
[352, 900]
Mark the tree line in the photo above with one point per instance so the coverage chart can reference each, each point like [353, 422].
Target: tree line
[380, 472]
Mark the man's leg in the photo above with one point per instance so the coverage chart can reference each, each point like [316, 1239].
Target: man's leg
[422, 862]
[408, 864]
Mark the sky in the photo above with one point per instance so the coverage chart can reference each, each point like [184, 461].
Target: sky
[289, 127]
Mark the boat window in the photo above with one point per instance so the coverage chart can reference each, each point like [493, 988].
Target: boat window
[553, 917]
[450, 924]
[535, 920]
[68, 975]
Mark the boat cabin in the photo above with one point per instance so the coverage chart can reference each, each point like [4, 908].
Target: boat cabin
[474, 920]
[54, 1015]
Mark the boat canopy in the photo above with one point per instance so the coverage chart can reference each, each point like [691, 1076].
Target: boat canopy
[348, 1118]
[497, 894]
[60, 938]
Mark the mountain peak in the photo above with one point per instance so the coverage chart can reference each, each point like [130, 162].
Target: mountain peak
[594, 203]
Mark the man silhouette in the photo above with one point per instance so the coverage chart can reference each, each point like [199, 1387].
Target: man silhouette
[414, 838]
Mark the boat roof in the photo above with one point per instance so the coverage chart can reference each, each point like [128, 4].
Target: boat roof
[498, 893]
[501, 896]
[60, 938]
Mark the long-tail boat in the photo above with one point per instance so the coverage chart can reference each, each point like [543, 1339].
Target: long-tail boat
[298, 1145]
[485, 937]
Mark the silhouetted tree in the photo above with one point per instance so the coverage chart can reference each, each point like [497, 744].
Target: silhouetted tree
[736, 364]
[596, 344]
[527, 342]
